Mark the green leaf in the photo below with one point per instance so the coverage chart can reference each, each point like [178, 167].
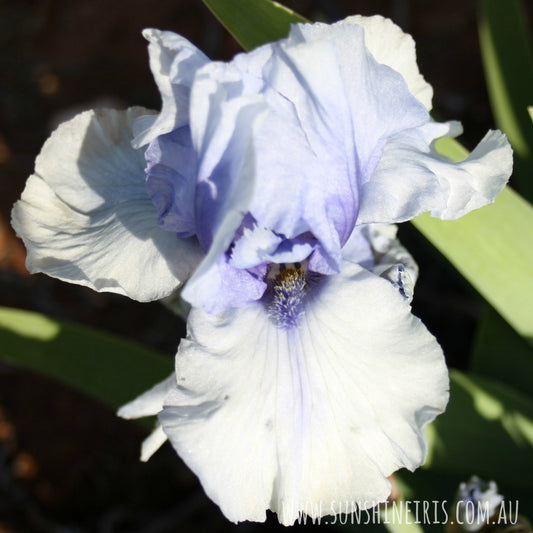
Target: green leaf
[254, 22]
[108, 368]
[491, 248]
[500, 353]
[436, 490]
[508, 62]
[487, 430]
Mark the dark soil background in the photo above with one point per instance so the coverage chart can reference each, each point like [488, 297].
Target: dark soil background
[67, 464]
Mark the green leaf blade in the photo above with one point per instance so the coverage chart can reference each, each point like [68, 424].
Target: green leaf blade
[508, 63]
[500, 353]
[487, 430]
[491, 248]
[106, 367]
[254, 22]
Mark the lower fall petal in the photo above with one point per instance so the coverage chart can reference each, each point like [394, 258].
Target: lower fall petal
[296, 418]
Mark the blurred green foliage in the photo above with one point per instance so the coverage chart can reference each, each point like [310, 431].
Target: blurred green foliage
[110, 369]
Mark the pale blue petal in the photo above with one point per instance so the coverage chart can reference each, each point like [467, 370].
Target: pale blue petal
[358, 249]
[376, 97]
[221, 128]
[174, 62]
[324, 137]
[294, 250]
[413, 178]
[171, 180]
[387, 43]
[217, 285]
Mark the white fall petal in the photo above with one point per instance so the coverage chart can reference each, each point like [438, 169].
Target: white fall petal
[86, 218]
[302, 419]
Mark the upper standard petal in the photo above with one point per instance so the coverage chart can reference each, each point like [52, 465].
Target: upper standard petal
[174, 61]
[171, 180]
[387, 43]
[311, 154]
[322, 134]
[325, 135]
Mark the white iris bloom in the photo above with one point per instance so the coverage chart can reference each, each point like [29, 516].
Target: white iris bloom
[271, 188]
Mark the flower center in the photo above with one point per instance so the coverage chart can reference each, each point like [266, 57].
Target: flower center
[287, 294]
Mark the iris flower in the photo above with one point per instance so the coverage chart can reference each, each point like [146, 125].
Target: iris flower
[476, 503]
[271, 187]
